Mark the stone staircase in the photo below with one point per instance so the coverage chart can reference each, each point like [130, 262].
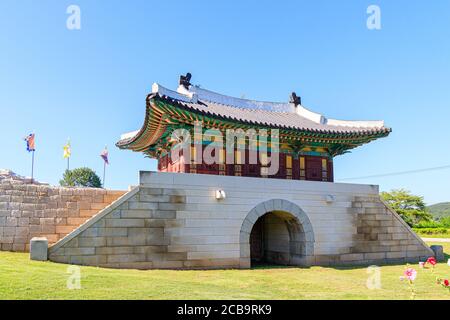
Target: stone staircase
[132, 232]
[382, 235]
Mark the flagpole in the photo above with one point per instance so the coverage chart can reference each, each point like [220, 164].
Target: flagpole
[68, 163]
[104, 170]
[32, 167]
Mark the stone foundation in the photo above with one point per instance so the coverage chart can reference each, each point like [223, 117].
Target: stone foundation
[30, 210]
[174, 221]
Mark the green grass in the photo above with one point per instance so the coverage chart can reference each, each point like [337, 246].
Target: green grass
[21, 278]
[436, 235]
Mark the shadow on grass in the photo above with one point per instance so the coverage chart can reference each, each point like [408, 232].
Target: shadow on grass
[340, 267]
[267, 266]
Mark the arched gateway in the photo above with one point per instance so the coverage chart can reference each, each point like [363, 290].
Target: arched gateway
[277, 231]
[163, 212]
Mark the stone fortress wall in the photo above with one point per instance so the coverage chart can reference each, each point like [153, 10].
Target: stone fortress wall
[39, 210]
[174, 220]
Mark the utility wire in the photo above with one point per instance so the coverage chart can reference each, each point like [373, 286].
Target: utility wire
[398, 173]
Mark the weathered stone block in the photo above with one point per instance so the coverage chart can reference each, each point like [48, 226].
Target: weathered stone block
[143, 205]
[92, 241]
[375, 256]
[139, 214]
[152, 191]
[438, 252]
[95, 260]
[91, 232]
[79, 251]
[22, 231]
[115, 214]
[177, 199]
[73, 243]
[99, 224]
[52, 238]
[153, 249]
[415, 254]
[7, 245]
[49, 229]
[75, 221]
[399, 236]
[107, 232]
[252, 216]
[88, 213]
[164, 214]
[126, 258]
[115, 250]
[269, 205]
[384, 236]
[64, 229]
[9, 231]
[4, 213]
[167, 264]
[154, 198]
[38, 249]
[125, 223]
[11, 222]
[171, 206]
[18, 247]
[96, 206]
[395, 255]
[47, 221]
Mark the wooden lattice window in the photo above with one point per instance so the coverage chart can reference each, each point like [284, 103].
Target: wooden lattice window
[302, 168]
[324, 170]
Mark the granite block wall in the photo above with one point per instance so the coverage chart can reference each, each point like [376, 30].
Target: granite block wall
[173, 220]
[35, 210]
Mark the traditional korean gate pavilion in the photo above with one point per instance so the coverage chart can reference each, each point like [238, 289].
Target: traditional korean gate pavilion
[308, 140]
[228, 215]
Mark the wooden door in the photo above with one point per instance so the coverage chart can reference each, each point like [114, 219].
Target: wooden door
[256, 241]
[314, 168]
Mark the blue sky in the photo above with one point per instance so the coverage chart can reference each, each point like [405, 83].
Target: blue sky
[90, 84]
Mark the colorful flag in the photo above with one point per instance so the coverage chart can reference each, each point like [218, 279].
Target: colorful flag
[104, 155]
[30, 142]
[67, 151]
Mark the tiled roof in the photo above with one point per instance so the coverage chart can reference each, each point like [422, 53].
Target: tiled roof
[273, 119]
[258, 113]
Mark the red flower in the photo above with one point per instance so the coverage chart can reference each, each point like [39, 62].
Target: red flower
[432, 261]
[446, 283]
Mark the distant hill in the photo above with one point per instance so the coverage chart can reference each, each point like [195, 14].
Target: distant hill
[440, 210]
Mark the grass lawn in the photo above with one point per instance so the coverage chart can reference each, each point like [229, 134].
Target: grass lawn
[21, 278]
[437, 235]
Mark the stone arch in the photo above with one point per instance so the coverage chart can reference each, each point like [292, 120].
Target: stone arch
[301, 234]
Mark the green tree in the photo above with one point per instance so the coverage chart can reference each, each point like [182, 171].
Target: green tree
[81, 177]
[410, 207]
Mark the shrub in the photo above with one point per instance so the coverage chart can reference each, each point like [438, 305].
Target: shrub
[81, 177]
[445, 222]
[429, 224]
[431, 231]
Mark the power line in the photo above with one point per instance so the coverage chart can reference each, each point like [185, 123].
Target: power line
[398, 173]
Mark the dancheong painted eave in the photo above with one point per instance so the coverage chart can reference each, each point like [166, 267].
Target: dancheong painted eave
[167, 109]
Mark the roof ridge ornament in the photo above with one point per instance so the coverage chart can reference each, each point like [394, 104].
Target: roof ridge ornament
[296, 100]
[185, 81]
